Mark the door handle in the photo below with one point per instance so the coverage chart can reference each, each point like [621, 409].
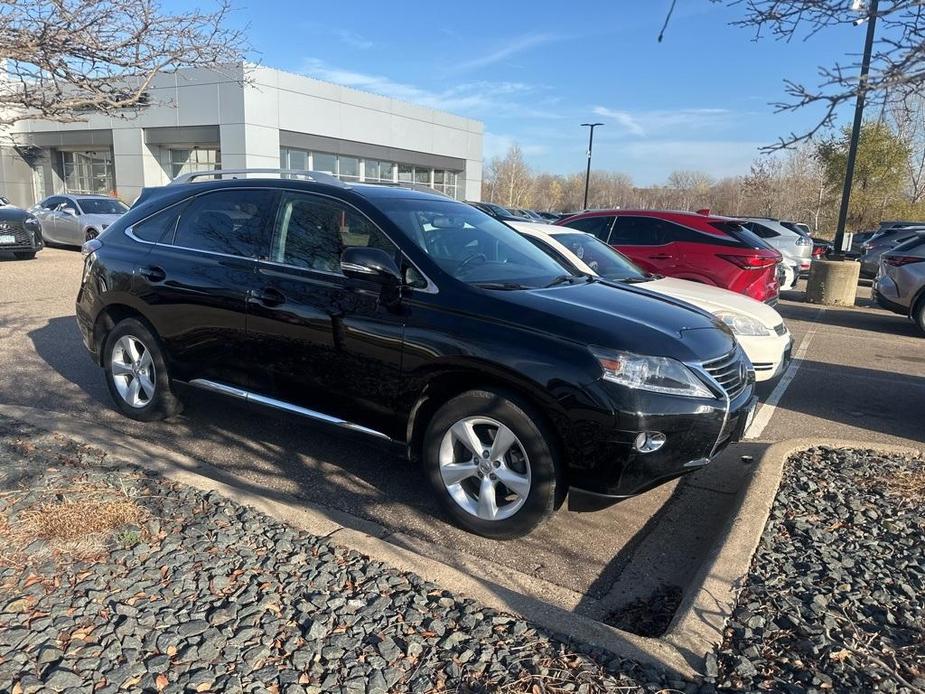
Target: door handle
[660, 256]
[152, 273]
[267, 296]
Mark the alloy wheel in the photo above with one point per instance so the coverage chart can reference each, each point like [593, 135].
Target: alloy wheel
[132, 369]
[485, 468]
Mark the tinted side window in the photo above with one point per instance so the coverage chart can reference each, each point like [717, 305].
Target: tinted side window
[159, 227]
[599, 226]
[312, 232]
[52, 202]
[761, 230]
[640, 231]
[227, 221]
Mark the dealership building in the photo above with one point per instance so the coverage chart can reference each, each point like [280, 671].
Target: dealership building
[244, 117]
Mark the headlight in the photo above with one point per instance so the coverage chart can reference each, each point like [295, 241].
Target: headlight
[740, 324]
[656, 374]
[31, 223]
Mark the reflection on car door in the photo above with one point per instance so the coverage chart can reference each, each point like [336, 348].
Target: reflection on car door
[67, 223]
[48, 218]
[196, 277]
[329, 343]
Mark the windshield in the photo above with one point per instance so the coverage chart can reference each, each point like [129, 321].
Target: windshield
[102, 206]
[471, 246]
[600, 257]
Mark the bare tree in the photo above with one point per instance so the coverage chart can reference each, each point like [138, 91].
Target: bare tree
[897, 63]
[510, 181]
[61, 59]
[908, 114]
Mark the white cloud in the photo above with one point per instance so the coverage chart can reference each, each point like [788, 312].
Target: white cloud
[353, 39]
[646, 123]
[511, 47]
[496, 145]
[513, 99]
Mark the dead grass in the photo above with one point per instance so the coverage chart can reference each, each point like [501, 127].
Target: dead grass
[72, 520]
[906, 484]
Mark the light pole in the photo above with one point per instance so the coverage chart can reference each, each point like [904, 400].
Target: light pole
[590, 146]
[856, 128]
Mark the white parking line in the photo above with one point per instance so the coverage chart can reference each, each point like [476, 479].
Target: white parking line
[769, 407]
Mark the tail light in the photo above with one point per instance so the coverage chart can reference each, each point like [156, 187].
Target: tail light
[751, 262]
[819, 252]
[90, 247]
[900, 260]
[803, 241]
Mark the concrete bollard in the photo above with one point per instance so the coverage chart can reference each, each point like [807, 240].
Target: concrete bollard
[833, 282]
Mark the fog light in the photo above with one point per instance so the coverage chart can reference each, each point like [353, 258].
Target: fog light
[649, 441]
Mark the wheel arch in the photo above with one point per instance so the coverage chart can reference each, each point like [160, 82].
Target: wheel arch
[448, 384]
[108, 318]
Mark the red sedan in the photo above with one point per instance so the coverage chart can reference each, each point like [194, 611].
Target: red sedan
[692, 246]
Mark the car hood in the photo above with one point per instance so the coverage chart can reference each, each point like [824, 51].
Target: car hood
[714, 299]
[96, 219]
[8, 213]
[623, 317]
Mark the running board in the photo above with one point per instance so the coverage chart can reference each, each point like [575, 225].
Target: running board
[248, 396]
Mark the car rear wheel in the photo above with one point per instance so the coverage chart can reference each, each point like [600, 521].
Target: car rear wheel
[918, 314]
[136, 373]
[493, 467]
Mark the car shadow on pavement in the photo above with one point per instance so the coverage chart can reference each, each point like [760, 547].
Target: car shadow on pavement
[859, 318]
[279, 455]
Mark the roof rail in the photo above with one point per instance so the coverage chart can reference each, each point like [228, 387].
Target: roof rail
[410, 185]
[316, 176]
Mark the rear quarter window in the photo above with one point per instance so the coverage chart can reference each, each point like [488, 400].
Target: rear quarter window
[158, 228]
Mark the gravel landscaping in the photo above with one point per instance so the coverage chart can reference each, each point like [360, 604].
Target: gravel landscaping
[112, 580]
[835, 599]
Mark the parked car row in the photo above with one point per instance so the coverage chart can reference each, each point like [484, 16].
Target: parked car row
[694, 246]
[519, 378]
[507, 214]
[65, 220]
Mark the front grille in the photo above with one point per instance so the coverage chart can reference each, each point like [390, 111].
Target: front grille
[780, 329]
[763, 365]
[730, 371]
[23, 236]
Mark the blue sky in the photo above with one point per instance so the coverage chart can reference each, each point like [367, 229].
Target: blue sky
[532, 71]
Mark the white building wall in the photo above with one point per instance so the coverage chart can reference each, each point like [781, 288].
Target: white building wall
[250, 116]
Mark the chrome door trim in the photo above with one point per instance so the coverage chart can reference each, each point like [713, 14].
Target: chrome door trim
[248, 396]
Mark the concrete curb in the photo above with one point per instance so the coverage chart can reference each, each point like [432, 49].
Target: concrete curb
[697, 628]
[492, 586]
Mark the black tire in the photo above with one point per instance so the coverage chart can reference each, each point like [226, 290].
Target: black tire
[918, 313]
[160, 404]
[546, 486]
[91, 234]
[24, 255]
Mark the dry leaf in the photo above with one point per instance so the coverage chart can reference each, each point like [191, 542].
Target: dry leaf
[839, 656]
[161, 681]
[171, 650]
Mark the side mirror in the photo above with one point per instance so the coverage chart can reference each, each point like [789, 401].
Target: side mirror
[371, 265]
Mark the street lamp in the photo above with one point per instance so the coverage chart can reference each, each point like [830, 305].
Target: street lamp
[590, 146]
[856, 128]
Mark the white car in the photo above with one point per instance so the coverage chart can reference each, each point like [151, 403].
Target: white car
[757, 327]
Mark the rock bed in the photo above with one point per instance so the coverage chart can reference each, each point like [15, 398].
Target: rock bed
[835, 600]
[202, 594]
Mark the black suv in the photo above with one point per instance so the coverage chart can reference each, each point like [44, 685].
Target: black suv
[417, 319]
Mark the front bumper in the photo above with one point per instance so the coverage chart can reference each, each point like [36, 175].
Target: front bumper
[696, 430]
[769, 354]
[16, 238]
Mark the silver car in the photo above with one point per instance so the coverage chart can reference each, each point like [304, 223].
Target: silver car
[900, 282]
[70, 220]
[796, 249]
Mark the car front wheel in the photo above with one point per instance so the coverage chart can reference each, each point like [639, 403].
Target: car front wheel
[918, 314]
[493, 466]
[136, 373]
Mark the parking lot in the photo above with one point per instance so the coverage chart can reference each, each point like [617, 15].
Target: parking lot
[860, 374]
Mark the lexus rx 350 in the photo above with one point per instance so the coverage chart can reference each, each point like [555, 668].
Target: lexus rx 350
[412, 318]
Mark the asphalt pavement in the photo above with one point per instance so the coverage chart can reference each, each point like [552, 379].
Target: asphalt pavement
[861, 376]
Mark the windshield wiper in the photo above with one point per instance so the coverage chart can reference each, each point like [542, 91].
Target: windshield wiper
[561, 279]
[508, 286]
[636, 280]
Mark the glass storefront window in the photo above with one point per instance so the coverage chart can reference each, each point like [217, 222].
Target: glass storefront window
[405, 173]
[194, 159]
[88, 172]
[324, 162]
[349, 168]
[422, 176]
